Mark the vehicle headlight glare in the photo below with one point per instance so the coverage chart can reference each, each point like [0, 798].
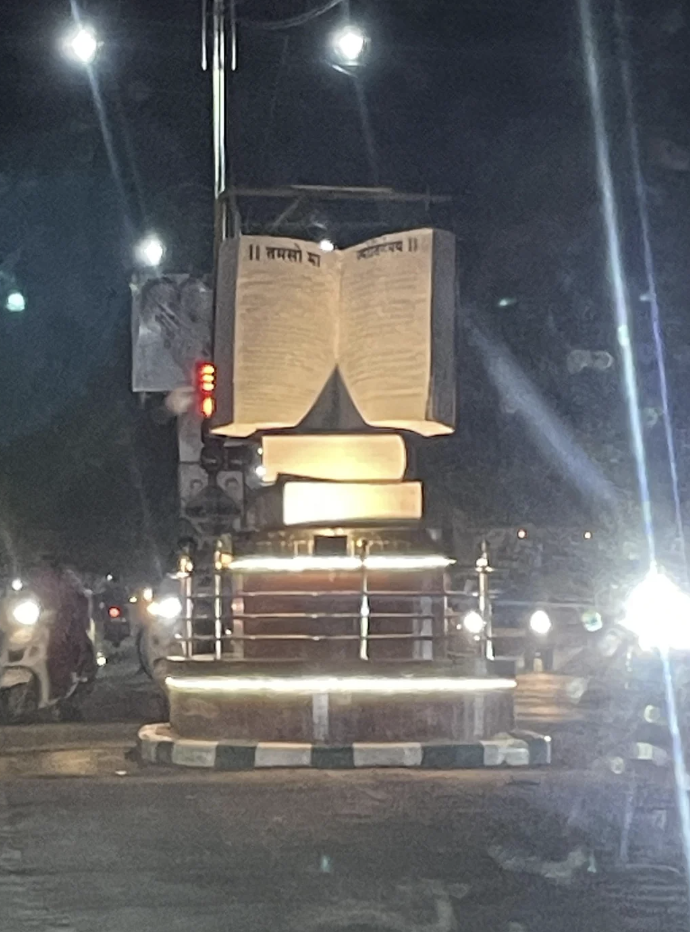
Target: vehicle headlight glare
[26, 612]
[540, 623]
[658, 613]
[168, 608]
[473, 623]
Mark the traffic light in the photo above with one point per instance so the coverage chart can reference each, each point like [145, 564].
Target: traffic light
[206, 388]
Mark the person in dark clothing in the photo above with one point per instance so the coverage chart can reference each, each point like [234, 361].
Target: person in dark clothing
[69, 647]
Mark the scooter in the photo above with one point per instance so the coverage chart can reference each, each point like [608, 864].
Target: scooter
[115, 623]
[25, 686]
[161, 629]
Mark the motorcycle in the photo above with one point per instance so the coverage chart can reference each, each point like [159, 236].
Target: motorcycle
[115, 623]
[161, 628]
[25, 645]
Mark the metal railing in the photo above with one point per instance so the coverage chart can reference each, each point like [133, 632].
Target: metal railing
[216, 621]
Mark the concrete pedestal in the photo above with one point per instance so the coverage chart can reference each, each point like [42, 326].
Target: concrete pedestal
[335, 705]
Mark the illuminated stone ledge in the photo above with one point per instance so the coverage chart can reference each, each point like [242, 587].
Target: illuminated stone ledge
[158, 744]
[311, 685]
[294, 702]
[343, 564]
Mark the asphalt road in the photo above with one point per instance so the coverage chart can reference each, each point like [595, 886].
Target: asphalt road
[306, 851]
[123, 692]
[98, 842]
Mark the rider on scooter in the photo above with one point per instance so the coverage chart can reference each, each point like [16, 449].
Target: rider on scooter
[70, 652]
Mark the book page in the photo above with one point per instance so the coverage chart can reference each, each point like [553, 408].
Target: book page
[275, 331]
[335, 502]
[388, 339]
[334, 457]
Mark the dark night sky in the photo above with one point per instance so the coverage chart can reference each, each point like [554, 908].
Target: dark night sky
[484, 101]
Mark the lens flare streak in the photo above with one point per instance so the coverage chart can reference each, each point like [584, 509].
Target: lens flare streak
[622, 320]
[615, 265]
[643, 211]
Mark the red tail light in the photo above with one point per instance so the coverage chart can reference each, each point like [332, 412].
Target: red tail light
[206, 388]
[114, 611]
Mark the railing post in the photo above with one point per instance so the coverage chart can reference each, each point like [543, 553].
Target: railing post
[187, 601]
[217, 606]
[364, 608]
[237, 622]
[423, 648]
[445, 629]
[483, 569]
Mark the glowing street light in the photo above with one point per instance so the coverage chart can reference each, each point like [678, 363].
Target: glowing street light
[348, 45]
[15, 302]
[326, 245]
[540, 623]
[81, 44]
[473, 623]
[149, 251]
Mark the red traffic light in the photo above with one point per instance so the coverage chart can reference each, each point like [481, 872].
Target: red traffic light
[206, 387]
[114, 611]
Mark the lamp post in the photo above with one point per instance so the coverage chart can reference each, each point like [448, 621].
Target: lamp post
[348, 52]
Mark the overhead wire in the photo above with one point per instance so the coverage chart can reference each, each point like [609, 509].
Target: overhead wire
[298, 20]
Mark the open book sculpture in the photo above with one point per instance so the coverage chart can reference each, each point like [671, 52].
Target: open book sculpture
[347, 340]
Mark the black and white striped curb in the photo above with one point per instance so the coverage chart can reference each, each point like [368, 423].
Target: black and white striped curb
[159, 745]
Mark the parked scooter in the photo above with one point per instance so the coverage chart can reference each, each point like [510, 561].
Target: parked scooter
[26, 644]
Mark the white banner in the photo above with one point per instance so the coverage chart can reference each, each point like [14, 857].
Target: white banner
[171, 330]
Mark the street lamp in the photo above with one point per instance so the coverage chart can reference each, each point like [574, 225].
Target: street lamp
[149, 251]
[81, 44]
[348, 45]
[540, 623]
[15, 302]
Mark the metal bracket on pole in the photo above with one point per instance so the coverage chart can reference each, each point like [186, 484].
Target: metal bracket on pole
[219, 112]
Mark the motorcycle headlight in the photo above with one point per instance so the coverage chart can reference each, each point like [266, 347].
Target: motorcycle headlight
[27, 612]
[658, 613]
[540, 623]
[473, 623]
[168, 608]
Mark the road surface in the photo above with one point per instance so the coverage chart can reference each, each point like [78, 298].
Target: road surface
[98, 842]
[302, 851]
[123, 692]
[549, 699]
